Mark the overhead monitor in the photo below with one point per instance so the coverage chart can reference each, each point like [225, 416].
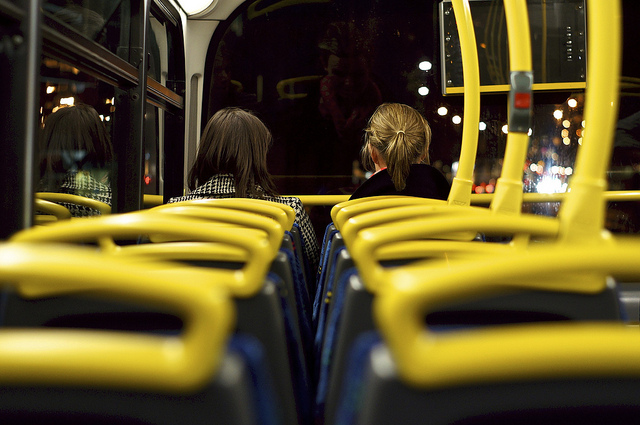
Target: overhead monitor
[558, 45]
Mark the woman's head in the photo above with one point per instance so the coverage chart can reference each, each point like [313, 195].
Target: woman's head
[234, 142]
[397, 136]
[73, 139]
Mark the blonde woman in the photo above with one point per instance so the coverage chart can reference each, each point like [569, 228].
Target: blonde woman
[396, 148]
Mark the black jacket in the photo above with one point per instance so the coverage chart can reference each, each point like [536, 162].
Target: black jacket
[424, 181]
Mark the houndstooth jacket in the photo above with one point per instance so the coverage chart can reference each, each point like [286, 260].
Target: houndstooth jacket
[223, 186]
[83, 184]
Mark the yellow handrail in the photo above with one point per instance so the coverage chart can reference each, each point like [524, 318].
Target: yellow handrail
[273, 230]
[99, 359]
[508, 195]
[519, 352]
[244, 282]
[480, 198]
[364, 249]
[75, 199]
[460, 194]
[345, 210]
[52, 209]
[282, 213]
[583, 213]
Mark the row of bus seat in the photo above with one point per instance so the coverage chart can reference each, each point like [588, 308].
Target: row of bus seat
[72, 278]
[418, 318]
[422, 317]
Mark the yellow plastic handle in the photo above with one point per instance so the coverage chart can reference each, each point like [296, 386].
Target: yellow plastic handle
[283, 214]
[244, 282]
[272, 228]
[98, 359]
[389, 216]
[350, 202]
[364, 248]
[75, 199]
[51, 208]
[516, 352]
[186, 251]
[343, 212]
[441, 249]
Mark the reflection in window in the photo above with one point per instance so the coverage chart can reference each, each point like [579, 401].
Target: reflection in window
[98, 20]
[76, 154]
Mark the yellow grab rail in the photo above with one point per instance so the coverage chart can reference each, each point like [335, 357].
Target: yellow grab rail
[57, 211]
[350, 203]
[99, 359]
[508, 195]
[583, 213]
[272, 228]
[364, 249]
[439, 249]
[519, 352]
[243, 282]
[460, 194]
[186, 251]
[75, 199]
[283, 214]
[412, 209]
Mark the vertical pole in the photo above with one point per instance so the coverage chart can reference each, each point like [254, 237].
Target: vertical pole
[20, 64]
[129, 126]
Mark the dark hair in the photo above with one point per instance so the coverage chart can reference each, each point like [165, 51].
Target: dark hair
[401, 135]
[235, 142]
[74, 138]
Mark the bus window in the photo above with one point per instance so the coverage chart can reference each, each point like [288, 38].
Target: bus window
[314, 71]
[63, 86]
[99, 21]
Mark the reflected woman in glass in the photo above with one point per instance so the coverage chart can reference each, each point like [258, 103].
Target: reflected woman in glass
[75, 156]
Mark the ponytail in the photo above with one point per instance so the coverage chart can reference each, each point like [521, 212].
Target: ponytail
[402, 136]
[399, 160]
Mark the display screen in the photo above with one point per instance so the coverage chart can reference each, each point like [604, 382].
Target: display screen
[558, 45]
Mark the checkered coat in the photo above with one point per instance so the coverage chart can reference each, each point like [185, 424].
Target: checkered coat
[223, 186]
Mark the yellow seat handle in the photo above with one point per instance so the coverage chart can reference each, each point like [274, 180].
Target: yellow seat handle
[84, 358]
[186, 251]
[337, 207]
[429, 359]
[389, 216]
[376, 203]
[244, 282]
[56, 210]
[283, 214]
[271, 227]
[364, 249]
[75, 199]
[440, 249]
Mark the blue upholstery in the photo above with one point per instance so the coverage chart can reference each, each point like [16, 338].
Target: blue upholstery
[327, 358]
[353, 384]
[298, 365]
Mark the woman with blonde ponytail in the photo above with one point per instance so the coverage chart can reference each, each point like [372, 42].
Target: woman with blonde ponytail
[396, 147]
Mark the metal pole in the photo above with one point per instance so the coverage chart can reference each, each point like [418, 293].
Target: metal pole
[20, 58]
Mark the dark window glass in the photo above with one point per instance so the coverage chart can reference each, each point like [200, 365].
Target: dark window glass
[105, 22]
[314, 72]
[77, 171]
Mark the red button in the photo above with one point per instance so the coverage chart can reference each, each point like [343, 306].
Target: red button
[522, 101]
